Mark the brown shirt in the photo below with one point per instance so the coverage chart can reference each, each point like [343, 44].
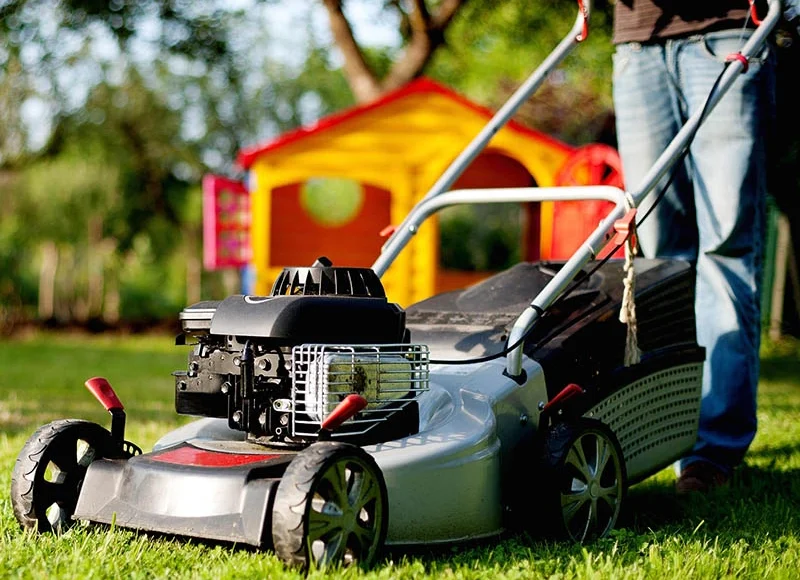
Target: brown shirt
[654, 20]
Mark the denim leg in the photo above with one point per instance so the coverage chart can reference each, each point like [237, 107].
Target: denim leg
[648, 116]
[728, 167]
[712, 213]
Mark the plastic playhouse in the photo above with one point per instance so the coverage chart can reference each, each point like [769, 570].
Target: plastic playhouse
[378, 160]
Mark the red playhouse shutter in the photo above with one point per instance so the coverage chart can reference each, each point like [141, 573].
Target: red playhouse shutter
[226, 223]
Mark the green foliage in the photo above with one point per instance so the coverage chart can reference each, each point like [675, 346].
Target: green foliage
[106, 180]
[784, 143]
[152, 285]
[17, 286]
[493, 46]
[131, 137]
[748, 530]
[63, 192]
[188, 28]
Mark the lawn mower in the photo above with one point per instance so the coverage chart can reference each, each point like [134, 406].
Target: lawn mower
[332, 422]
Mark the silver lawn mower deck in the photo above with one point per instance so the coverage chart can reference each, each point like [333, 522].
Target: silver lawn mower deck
[334, 422]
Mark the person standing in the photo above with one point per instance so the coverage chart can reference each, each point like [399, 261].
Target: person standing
[668, 55]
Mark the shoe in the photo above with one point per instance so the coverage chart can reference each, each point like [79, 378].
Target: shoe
[701, 477]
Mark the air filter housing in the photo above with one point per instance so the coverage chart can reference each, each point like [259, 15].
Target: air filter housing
[322, 279]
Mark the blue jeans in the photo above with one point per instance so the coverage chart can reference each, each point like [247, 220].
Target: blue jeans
[712, 214]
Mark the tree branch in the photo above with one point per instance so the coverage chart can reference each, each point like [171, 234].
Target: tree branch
[420, 15]
[446, 12]
[427, 34]
[362, 79]
[405, 21]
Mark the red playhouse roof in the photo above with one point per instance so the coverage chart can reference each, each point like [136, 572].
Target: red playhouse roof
[419, 86]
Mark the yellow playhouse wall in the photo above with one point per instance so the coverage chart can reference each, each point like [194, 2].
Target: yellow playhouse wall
[411, 276]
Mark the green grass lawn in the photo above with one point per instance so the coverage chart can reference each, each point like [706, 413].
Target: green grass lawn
[748, 530]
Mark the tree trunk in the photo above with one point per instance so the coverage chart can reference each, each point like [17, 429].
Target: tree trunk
[231, 281]
[427, 34]
[360, 77]
[111, 301]
[95, 256]
[194, 268]
[70, 306]
[47, 280]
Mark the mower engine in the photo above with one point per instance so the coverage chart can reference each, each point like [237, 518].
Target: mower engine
[277, 366]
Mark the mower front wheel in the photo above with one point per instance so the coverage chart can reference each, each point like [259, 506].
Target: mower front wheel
[49, 471]
[331, 508]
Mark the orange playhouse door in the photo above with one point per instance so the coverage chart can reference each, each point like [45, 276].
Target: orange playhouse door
[298, 236]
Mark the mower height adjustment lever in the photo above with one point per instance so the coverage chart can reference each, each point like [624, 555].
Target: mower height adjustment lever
[557, 403]
[103, 392]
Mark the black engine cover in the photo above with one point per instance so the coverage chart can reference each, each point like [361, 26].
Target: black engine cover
[311, 319]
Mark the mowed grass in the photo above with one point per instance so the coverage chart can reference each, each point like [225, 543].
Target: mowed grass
[748, 530]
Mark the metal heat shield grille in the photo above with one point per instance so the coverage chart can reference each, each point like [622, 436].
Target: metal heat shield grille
[385, 375]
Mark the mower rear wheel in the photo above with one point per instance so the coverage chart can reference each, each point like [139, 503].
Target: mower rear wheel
[49, 471]
[586, 479]
[330, 508]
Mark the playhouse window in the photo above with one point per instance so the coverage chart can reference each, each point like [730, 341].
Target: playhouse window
[331, 202]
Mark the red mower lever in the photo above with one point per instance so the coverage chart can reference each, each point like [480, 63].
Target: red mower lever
[351, 405]
[102, 390]
[568, 392]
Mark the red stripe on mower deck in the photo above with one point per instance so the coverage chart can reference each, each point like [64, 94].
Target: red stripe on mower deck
[193, 456]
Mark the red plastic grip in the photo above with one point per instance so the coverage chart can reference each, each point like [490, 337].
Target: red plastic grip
[741, 58]
[585, 30]
[102, 390]
[624, 227]
[351, 405]
[754, 13]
